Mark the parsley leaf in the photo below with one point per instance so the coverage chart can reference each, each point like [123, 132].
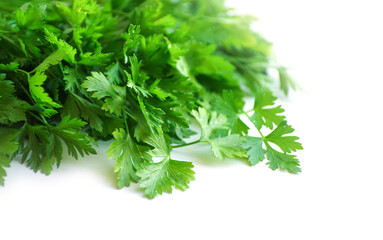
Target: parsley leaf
[128, 158]
[12, 109]
[78, 107]
[157, 178]
[209, 122]
[32, 17]
[136, 79]
[254, 150]
[114, 96]
[230, 105]
[263, 114]
[63, 48]
[76, 142]
[230, 146]
[38, 91]
[282, 161]
[162, 176]
[287, 144]
[8, 146]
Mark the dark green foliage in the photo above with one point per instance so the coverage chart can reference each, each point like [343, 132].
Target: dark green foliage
[139, 72]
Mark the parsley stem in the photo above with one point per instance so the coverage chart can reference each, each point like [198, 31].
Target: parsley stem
[130, 115]
[43, 121]
[132, 99]
[186, 144]
[259, 131]
[26, 92]
[125, 120]
[21, 70]
[22, 86]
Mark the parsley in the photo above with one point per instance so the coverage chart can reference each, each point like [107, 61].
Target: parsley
[139, 72]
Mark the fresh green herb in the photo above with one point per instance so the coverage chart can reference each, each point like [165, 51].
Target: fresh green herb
[139, 72]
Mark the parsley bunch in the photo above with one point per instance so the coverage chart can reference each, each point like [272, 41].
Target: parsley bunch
[139, 72]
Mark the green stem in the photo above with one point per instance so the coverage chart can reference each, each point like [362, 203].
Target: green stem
[25, 90]
[125, 121]
[43, 121]
[21, 70]
[132, 99]
[22, 86]
[130, 115]
[259, 131]
[186, 144]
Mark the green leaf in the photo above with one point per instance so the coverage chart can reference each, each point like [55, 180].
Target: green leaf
[12, 109]
[136, 79]
[62, 46]
[285, 80]
[32, 16]
[200, 60]
[82, 8]
[209, 122]
[46, 166]
[98, 59]
[114, 96]
[214, 65]
[283, 161]
[151, 17]
[98, 84]
[53, 59]
[230, 105]
[287, 144]
[174, 112]
[230, 146]
[10, 67]
[38, 92]
[42, 109]
[4, 163]
[254, 148]
[128, 158]
[180, 173]
[159, 92]
[159, 144]
[72, 78]
[157, 178]
[152, 115]
[132, 38]
[8, 147]
[263, 114]
[78, 107]
[6, 86]
[34, 151]
[114, 73]
[154, 51]
[76, 141]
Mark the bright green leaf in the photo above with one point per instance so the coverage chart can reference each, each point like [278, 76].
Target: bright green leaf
[157, 178]
[287, 144]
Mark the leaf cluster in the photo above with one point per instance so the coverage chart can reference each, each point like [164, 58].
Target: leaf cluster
[140, 72]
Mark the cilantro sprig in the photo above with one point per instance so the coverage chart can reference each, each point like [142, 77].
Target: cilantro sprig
[139, 73]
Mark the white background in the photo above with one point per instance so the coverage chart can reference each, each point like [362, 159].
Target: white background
[334, 50]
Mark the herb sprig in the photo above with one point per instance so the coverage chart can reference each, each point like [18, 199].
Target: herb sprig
[139, 72]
